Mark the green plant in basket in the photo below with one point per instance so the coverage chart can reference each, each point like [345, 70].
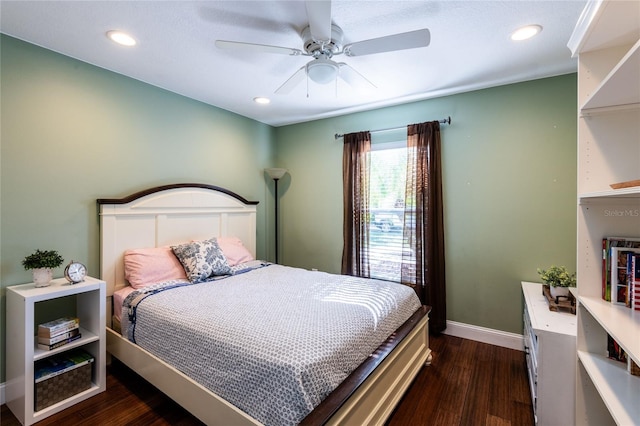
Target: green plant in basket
[557, 276]
[42, 259]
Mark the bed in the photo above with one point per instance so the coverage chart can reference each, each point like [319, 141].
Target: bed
[180, 215]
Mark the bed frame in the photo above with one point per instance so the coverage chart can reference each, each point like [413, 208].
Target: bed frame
[177, 213]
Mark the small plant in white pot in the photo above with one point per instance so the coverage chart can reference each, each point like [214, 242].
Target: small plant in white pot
[558, 279]
[42, 263]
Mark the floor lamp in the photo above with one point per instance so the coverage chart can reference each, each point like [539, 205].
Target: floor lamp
[276, 175]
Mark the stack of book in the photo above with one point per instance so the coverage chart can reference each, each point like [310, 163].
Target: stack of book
[59, 332]
[621, 271]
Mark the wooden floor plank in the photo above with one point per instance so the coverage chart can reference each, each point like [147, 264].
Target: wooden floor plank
[500, 397]
[476, 407]
[519, 388]
[453, 399]
[497, 421]
[454, 390]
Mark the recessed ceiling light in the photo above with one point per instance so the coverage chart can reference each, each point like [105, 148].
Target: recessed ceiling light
[261, 100]
[121, 38]
[525, 33]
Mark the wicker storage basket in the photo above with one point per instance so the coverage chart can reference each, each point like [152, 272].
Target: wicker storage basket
[62, 386]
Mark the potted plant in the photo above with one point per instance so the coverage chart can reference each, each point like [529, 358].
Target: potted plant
[558, 279]
[42, 263]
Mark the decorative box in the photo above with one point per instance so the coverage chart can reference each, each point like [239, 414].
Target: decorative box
[60, 386]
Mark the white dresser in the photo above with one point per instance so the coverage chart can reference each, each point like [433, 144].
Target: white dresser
[550, 347]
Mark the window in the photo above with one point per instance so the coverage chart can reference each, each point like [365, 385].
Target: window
[386, 200]
[373, 199]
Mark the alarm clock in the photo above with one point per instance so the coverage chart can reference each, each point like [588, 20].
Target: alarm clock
[75, 272]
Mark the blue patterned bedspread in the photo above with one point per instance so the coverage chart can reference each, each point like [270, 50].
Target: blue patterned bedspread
[274, 341]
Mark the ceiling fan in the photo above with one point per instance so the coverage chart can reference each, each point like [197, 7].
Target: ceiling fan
[322, 40]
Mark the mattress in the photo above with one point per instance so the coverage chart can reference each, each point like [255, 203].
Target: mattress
[118, 299]
[274, 341]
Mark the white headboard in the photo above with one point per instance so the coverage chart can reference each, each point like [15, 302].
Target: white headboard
[166, 215]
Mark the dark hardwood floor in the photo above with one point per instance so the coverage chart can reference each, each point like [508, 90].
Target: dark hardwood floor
[468, 383]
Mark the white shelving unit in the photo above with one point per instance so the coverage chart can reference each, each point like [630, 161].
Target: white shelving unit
[22, 346]
[606, 41]
[550, 347]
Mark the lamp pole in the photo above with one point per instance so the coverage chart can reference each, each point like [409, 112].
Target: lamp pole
[276, 174]
[276, 218]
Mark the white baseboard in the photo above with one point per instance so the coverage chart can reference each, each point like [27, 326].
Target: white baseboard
[485, 335]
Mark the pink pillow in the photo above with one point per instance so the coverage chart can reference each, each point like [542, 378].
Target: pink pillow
[234, 250]
[146, 266]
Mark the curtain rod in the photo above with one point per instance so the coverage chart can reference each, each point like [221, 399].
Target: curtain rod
[443, 121]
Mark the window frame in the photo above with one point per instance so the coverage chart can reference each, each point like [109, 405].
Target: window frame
[378, 273]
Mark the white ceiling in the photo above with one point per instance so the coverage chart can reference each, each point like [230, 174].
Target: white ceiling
[470, 48]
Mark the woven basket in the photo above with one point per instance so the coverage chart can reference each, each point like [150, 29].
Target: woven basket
[62, 386]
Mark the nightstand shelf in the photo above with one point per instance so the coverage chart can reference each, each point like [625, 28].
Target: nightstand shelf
[89, 297]
[87, 337]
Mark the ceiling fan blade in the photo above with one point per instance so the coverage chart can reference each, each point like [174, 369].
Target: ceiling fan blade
[354, 78]
[319, 15]
[252, 47]
[409, 40]
[292, 82]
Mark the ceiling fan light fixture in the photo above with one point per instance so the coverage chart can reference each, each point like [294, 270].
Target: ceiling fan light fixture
[322, 70]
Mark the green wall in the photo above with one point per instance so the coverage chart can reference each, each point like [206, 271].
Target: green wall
[72, 133]
[509, 160]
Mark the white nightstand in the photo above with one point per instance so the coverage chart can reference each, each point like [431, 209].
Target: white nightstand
[550, 345]
[22, 347]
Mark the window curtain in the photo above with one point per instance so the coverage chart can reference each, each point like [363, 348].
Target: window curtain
[423, 234]
[355, 177]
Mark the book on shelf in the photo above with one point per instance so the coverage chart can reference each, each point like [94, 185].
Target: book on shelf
[59, 337]
[59, 364]
[620, 258]
[609, 243]
[614, 351]
[49, 347]
[634, 282]
[57, 326]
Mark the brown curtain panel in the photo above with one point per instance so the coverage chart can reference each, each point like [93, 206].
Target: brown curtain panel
[355, 176]
[423, 255]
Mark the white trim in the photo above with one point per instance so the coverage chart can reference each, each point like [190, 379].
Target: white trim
[584, 26]
[3, 385]
[485, 335]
